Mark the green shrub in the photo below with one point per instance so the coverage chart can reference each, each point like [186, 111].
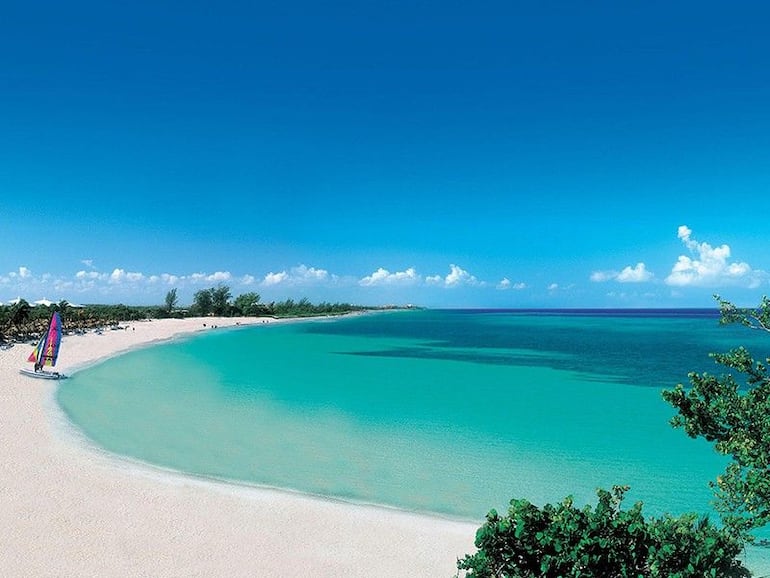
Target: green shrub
[563, 541]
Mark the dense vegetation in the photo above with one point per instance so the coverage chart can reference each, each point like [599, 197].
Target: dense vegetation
[731, 411]
[22, 321]
[218, 301]
[563, 541]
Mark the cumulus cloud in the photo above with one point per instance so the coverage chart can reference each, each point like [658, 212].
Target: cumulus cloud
[275, 278]
[456, 277]
[220, 276]
[384, 277]
[22, 273]
[88, 275]
[216, 277]
[709, 266]
[602, 276]
[506, 283]
[300, 275]
[122, 276]
[636, 274]
[120, 283]
[459, 276]
[163, 279]
[304, 273]
[206, 278]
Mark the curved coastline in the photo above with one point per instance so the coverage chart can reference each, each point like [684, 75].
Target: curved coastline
[80, 510]
[67, 432]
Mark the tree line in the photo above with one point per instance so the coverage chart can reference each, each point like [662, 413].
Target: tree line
[22, 321]
[219, 301]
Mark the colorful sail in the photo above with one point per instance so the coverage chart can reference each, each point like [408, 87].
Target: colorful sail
[47, 349]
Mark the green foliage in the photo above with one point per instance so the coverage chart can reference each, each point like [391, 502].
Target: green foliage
[202, 302]
[215, 300]
[753, 318]
[563, 541]
[20, 313]
[171, 301]
[23, 322]
[220, 300]
[304, 308]
[248, 304]
[732, 411]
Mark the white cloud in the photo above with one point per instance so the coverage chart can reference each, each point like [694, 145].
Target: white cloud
[163, 279]
[22, 273]
[300, 275]
[602, 276]
[506, 283]
[220, 277]
[275, 278]
[637, 274]
[121, 283]
[303, 273]
[458, 276]
[88, 275]
[384, 277]
[709, 266]
[205, 278]
[553, 287]
[122, 276]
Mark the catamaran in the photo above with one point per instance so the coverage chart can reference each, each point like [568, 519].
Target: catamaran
[46, 352]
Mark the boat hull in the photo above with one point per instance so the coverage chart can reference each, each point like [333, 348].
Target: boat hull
[42, 374]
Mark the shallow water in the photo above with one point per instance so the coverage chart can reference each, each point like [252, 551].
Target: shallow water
[446, 412]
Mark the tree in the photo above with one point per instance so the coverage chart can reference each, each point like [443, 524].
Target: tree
[171, 301]
[563, 541]
[220, 299]
[20, 313]
[202, 302]
[733, 412]
[248, 304]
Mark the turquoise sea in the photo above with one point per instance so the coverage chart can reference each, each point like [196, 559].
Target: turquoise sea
[445, 412]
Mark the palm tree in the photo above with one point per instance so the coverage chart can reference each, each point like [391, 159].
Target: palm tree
[171, 301]
[20, 313]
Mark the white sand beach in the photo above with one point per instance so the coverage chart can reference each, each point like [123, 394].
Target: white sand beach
[68, 509]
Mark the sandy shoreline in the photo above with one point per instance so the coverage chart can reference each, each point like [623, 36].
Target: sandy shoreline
[68, 510]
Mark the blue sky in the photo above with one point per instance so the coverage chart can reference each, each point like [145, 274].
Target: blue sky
[498, 154]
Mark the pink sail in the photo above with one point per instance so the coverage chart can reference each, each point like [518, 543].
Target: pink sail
[47, 350]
